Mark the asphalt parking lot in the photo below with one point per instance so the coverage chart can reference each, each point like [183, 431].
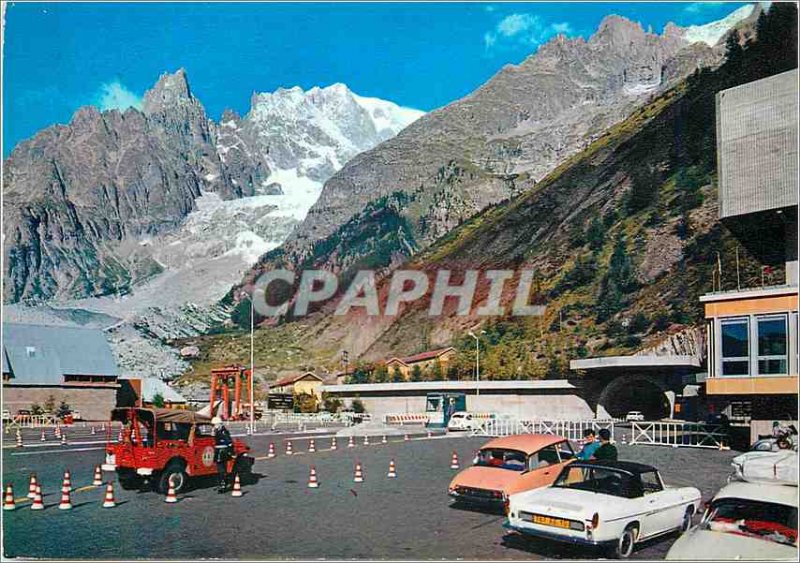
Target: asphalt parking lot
[279, 517]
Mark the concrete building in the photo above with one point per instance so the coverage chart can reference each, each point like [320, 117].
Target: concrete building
[69, 364]
[546, 399]
[753, 332]
[424, 361]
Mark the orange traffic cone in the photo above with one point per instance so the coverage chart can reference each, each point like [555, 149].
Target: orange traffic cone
[351, 443]
[289, 447]
[57, 431]
[333, 443]
[392, 471]
[8, 501]
[237, 487]
[366, 440]
[98, 476]
[119, 436]
[37, 499]
[454, 461]
[65, 503]
[66, 485]
[43, 438]
[312, 447]
[171, 496]
[358, 476]
[108, 501]
[271, 450]
[19, 439]
[383, 440]
[32, 486]
[312, 479]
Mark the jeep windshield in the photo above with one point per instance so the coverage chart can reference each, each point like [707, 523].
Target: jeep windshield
[512, 460]
[764, 520]
[603, 480]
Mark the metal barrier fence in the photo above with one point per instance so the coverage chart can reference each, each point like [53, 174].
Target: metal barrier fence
[405, 418]
[32, 421]
[678, 434]
[570, 429]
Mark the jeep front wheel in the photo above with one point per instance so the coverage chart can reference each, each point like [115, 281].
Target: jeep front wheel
[173, 472]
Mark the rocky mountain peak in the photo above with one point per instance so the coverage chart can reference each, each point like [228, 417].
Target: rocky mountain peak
[618, 30]
[172, 89]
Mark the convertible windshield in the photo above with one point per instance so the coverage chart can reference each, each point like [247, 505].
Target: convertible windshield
[764, 520]
[504, 459]
[602, 480]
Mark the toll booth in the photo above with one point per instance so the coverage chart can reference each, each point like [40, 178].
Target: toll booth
[440, 407]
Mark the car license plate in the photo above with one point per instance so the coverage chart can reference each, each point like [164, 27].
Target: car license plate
[548, 521]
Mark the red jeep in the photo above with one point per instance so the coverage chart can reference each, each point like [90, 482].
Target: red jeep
[159, 445]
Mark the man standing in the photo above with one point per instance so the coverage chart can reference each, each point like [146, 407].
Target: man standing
[222, 451]
[590, 445]
[607, 450]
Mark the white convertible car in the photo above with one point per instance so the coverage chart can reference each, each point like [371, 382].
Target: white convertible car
[612, 504]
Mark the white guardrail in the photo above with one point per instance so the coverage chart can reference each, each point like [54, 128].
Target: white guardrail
[678, 434]
[570, 429]
[32, 421]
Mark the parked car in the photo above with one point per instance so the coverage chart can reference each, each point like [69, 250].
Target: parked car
[610, 504]
[6, 415]
[23, 412]
[634, 416]
[462, 420]
[76, 415]
[509, 465]
[163, 445]
[744, 521]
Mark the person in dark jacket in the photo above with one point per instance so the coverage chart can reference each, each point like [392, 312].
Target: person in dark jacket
[607, 450]
[223, 446]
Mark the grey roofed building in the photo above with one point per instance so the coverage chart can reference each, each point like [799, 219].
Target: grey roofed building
[53, 355]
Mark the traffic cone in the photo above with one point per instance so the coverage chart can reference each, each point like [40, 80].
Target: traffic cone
[65, 503]
[312, 479]
[108, 501]
[237, 487]
[392, 471]
[37, 499]
[43, 438]
[312, 447]
[66, 485]
[358, 476]
[32, 486]
[454, 461]
[366, 440]
[405, 438]
[93, 431]
[333, 443]
[271, 450]
[98, 476]
[289, 447]
[103, 427]
[624, 439]
[64, 439]
[57, 431]
[19, 439]
[351, 443]
[8, 501]
[171, 496]
[383, 440]
[119, 436]
[429, 434]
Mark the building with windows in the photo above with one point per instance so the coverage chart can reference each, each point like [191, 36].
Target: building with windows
[44, 364]
[753, 332]
[425, 361]
[307, 383]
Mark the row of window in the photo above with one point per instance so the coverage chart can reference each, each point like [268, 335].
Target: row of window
[763, 337]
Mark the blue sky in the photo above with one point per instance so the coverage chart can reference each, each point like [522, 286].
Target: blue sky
[59, 57]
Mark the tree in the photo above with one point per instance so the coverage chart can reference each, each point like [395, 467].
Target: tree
[397, 375]
[330, 403]
[158, 400]
[36, 409]
[63, 410]
[305, 403]
[416, 373]
[733, 47]
[595, 234]
[358, 406]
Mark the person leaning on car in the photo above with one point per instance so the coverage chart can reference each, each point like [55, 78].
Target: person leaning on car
[607, 450]
[590, 445]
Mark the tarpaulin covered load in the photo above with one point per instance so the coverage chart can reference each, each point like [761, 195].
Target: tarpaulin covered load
[778, 468]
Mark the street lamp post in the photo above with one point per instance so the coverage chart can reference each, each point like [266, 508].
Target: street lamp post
[252, 366]
[477, 361]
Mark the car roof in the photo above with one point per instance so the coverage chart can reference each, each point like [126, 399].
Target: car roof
[631, 467]
[779, 494]
[527, 443]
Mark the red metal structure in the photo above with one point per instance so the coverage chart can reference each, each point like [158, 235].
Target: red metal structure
[222, 379]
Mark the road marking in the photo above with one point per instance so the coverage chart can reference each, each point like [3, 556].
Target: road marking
[54, 443]
[20, 500]
[59, 451]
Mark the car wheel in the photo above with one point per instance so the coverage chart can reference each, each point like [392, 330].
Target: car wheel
[173, 472]
[129, 480]
[624, 546]
[686, 523]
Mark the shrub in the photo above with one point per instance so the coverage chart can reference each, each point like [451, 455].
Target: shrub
[358, 406]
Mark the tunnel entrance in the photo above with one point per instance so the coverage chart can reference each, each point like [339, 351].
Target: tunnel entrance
[636, 393]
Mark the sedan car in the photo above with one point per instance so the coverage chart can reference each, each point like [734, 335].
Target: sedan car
[509, 465]
[744, 521]
[610, 504]
[634, 416]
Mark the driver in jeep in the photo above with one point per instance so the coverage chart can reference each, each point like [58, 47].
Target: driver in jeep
[223, 446]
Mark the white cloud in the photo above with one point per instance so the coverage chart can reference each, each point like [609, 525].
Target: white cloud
[524, 29]
[697, 7]
[114, 95]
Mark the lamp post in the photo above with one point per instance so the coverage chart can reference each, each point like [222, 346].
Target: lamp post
[252, 365]
[477, 361]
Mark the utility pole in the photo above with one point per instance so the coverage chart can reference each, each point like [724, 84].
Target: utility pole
[477, 361]
[252, 364]
[345, 361]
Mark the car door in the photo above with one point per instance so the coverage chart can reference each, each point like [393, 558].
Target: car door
[663, 505]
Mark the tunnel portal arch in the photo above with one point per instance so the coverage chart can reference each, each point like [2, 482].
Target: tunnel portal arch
[649, 395]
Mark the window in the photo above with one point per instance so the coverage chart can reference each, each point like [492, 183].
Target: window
[772, 340]
[651, 482]
[735, 347]
[30, 351]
